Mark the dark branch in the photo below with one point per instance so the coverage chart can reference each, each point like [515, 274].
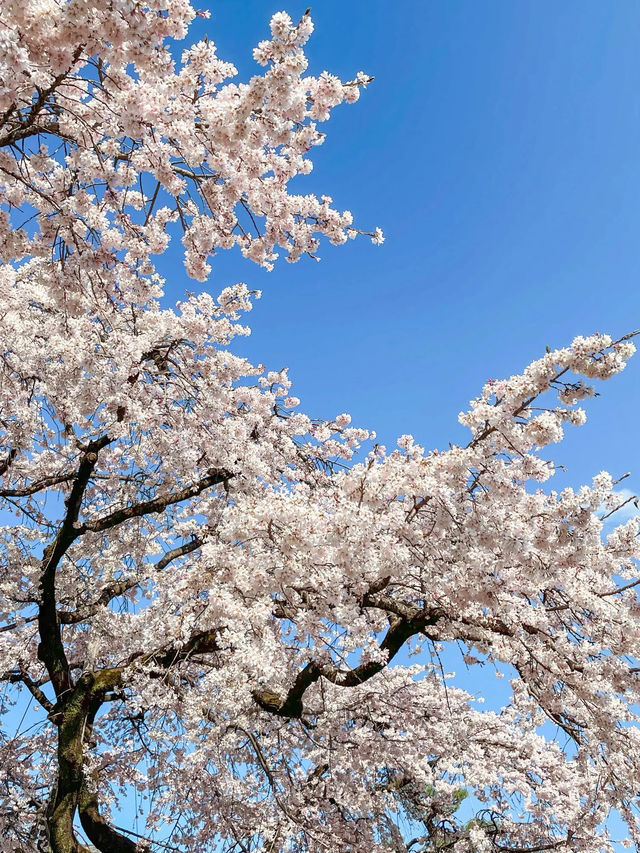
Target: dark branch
[4, 465]
[120, 587]
[99, 833]
[37, 486]
[155, 505]
[20, 677]
[51, 650]
[26, 128]
[400, 630]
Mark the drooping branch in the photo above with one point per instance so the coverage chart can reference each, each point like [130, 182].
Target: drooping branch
[264, 764]
[32, 686]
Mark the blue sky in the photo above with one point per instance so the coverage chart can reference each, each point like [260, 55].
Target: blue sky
[498, 150]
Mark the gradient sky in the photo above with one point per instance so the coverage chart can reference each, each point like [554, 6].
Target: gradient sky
[498, 149]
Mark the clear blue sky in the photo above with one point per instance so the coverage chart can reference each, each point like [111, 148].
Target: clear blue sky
[498, 149]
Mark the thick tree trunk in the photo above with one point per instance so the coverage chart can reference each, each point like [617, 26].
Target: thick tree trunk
[78, 713]
[73, 793]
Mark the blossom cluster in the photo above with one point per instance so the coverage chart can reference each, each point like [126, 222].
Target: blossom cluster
[122, 141]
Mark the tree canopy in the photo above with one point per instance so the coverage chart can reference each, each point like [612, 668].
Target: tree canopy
[217, 601]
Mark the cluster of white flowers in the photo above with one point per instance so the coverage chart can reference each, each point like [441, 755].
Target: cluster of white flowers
[220, 154]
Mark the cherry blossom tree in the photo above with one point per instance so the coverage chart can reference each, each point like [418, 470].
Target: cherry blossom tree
[209, 598]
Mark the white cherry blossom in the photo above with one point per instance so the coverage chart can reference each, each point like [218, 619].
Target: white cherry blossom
[219, 602]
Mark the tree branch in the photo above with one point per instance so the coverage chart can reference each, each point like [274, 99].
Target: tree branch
[155, 505]
[51, 650]
[400, 630]
[120, 587]
[37, 486]
[32, 686]
[26, 128]
[99, 832]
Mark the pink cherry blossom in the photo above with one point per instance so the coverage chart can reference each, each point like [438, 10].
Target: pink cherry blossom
[218, 602]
